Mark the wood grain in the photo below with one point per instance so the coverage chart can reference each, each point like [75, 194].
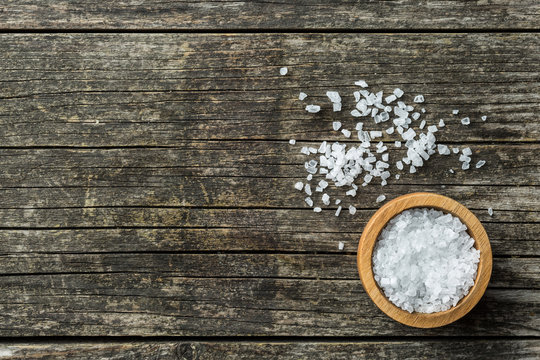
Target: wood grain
[448, 349]
[256, 15]
[109, 90]
[161, 304]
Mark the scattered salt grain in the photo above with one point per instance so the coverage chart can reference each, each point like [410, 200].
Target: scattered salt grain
[356, 113]
[398, 92]
[292, 141]
[397, 176]
[466, 151]
[480, 163]
[419, 99]
[299, 186]
[309, 177]
[451, 171]
[441, 123]
[352, 210]
[423, 110]
[412, 169]
[432, 128]
[351, 192]
[326, 199]
[399, 165]
[385, 157]
[397, 143]
[465, 121]
[424, 261]
[465, 166]
[302, 96]
[390, 130]
[317, 209]
[380, 198]
[390, 98]
[346, 133]
[336, 125]
[490, 211]
[283, 71]
[338, 201]
[484, 118]
[309, 201]
[455, 150]
[422, 124]
[361, 83]
[333, 96]
[307, 189]
[443, 149]
[455, 112]
[313, 108]
[341, 245]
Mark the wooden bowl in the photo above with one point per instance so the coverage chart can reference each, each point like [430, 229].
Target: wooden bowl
[424, 200]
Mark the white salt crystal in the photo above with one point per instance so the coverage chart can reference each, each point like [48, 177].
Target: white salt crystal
[455, 150]
[398, 92]
[302, 96]
[465, 121]
[441, 123]
[385, 157]
[313, 108]
[283, 71]
[356, 113]
[292, 141]
[484, 118]
[390, 98]
[341, 245]
[336, 125]
[359, 126]
[451, 171]
[305, 150]
[412, 169]
[422, 124]
[415, 116]
[299, 186]
[317, 209]
[480, 163]
[399, 165]
[409, 134]
[323, 184]
[375, 134]
[346, 133]
[455, 112]
[432, 128]
[309, 177]
[465, 166]
[397, 176]
[351, 192]
[333, 96]
[336, 106]
[419, 99]
[309, 201]
[352, 210]
[397, 143]
[361, 83]
[307, 189]
[338, 201]
[466, 151]
[326, 199]
[490, 211]
[390, 130]
[380, 198]
[443, 149]
[424, 261]
[423, 111]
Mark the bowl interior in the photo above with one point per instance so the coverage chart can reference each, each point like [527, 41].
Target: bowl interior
[371, 234]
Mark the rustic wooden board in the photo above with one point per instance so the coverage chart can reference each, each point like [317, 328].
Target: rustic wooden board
[154, 304]
[167, 350]
[164, 89]
[256, 15]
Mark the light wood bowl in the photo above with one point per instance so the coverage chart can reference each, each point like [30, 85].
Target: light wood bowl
[424, 200]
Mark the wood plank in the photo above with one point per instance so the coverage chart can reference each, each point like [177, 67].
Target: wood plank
[507, 272]
[162, 89]
[160, 304]
[302, 14]
[507, 239]
[181, 350]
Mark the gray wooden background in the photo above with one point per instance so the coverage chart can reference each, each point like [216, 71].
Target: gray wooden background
[146, 200]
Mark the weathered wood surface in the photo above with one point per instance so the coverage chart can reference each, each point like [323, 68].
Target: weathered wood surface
[146, 184]
[163, 89]
[396, 349]
[264, 14]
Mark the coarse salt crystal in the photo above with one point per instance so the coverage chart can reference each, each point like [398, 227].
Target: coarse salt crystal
[333, 96]
[317, 209]
[466, 151]
[490, 211]
[352, 210]
[283, 71]
[432, 128]
[313, 108]
[336, 125]
[390, 98]
[299, 186]
[455, 112]
[346, 133]
[309, 201]
[397, 143]
[465, 121]
[441, 123]
[419, 99]
[380, 198]
[422, 124]
[484, 118]
[480, 163]
[398, 92]
[361, 83]
[292, 141]
[341, 245]
[302, 96]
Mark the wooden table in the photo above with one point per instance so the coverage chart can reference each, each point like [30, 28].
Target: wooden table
[146, 176]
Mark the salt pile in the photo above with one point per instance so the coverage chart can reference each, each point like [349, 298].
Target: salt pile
[368, 161]
[425, 261]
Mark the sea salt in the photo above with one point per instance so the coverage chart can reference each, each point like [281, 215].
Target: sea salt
[419, 99]
[292, 141]
[317, 209]
[361, 83]
[425, 261]
[341, 245]
[313, 108]
[346, 133]
[480, 163]
[352, 210]
[484, 118]
[338, 211]
[455, 112]
[283, 71]
[299, 186]
[302, 96]
[336, 125]
[490, 211]
[380, 198]
[465, 121]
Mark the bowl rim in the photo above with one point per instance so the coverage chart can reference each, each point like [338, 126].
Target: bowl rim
[423, 200]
